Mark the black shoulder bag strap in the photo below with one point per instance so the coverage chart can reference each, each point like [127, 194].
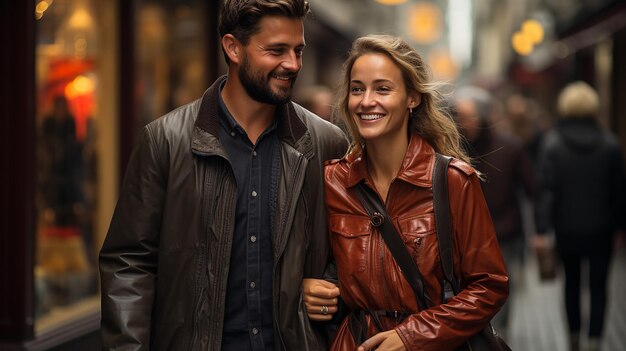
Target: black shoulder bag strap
[441, 204]
[380, 219]
[487, 339]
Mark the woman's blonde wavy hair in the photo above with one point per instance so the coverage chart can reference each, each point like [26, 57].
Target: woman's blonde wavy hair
[429, 120]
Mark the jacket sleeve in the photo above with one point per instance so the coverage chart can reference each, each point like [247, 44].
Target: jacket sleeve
[331, 144]
[478, 264]
[128, 258]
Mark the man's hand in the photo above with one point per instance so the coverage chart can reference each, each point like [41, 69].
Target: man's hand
[385, 341]
[320, 298]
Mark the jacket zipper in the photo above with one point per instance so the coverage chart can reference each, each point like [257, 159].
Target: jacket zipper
[417, 244]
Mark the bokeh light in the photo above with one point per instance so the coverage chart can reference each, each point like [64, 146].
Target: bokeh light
[425, 23]
[522, 43]
[533, 30]
[391, 2]
[442, 64]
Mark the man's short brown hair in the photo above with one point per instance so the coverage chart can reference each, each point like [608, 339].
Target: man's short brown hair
[241, 17]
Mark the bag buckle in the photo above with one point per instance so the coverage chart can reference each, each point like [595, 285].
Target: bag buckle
[377, 219]
[448, 292]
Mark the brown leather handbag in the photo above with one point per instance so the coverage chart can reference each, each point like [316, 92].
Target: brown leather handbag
[485, 340]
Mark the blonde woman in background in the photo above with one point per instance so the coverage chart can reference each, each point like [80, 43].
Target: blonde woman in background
[582, 200]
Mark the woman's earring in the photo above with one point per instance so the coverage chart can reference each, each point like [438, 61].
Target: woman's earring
[410, 112]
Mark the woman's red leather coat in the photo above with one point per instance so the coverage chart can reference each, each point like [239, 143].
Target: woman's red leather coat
[369, 277]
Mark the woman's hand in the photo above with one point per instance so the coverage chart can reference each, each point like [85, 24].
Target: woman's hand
[385, 341]
[320, 298]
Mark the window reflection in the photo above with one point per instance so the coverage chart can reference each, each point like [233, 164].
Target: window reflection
[65, 270]
[67, 53]
[170, 56]
[78, 133]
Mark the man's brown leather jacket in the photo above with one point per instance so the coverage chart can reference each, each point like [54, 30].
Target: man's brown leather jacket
[164, 263]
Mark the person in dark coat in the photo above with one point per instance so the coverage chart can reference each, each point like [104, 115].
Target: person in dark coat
[61, 163]
[509, 178]
[582, 200]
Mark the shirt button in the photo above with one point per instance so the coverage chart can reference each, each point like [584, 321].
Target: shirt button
[254, 193]
[232, 133]
[254, 153]
[252, 285]
[255, 331]
[253, 238]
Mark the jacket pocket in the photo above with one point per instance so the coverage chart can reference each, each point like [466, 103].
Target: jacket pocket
[419, 235]
[350, 240]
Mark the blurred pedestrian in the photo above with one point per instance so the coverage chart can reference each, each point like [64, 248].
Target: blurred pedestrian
[221, 213]
[317, 99]
[582, 200]
[393, 113]
[509, 180]
[525, 121]
[61, 160]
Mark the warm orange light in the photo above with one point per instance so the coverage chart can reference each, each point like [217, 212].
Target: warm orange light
[442, 65]
[522, 44]
[41, 7]
[80, 94]
[81, 19]
[533, 30]
[391, 2]
[81, 85]
[425, 23]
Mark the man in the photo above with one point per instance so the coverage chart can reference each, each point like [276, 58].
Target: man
[221, 213]
[508, 176]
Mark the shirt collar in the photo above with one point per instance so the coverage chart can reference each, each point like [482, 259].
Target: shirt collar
[416, 168]
[227, 120]
[291, 127]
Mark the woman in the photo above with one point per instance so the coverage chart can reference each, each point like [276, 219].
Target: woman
[391, 111]
[582, 201]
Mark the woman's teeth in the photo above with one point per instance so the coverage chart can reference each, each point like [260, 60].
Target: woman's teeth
[369, 117]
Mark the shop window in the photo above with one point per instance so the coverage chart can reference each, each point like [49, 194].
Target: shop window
[78, 128]
[171, 56]
[76, 154]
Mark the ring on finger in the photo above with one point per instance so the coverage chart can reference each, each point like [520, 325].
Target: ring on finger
[324, 310]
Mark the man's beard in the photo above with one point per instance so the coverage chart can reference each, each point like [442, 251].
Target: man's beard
[259, 89]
